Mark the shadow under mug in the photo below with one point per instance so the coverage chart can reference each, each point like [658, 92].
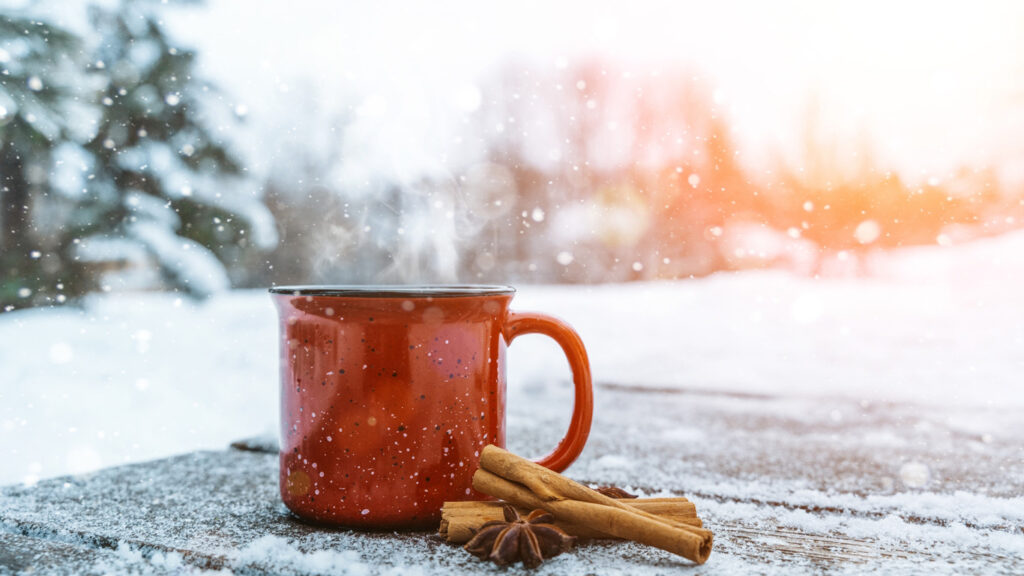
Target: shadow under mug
[390, 392]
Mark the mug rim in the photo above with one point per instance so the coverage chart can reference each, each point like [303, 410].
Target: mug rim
[395, 290]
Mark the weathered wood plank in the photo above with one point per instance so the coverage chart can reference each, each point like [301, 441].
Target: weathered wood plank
[22, 554]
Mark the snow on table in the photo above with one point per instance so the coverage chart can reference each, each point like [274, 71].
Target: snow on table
[816, 423]
[786, 484]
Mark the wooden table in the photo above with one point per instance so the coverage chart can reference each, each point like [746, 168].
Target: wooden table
[787, 484]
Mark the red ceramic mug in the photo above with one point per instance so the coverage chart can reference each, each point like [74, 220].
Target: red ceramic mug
[390, 392]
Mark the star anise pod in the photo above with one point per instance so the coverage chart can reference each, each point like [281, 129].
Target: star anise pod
[531, 539]
[614, 492]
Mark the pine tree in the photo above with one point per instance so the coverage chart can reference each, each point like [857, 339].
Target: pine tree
[111, 158]
[42, 83]
[159, 178]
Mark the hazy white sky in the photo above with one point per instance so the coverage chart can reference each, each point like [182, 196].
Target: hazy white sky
[933, 85]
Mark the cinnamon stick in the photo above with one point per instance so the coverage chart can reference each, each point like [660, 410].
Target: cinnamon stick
[529, 485]
[461, 520]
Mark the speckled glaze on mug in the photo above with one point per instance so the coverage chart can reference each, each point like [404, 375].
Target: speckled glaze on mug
[390, 392]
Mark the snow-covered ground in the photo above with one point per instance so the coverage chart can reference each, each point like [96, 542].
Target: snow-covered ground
[136, 376]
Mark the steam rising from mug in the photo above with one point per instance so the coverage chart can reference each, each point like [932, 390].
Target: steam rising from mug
[415, 232]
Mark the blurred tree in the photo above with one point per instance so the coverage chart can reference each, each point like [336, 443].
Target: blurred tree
[514, 243]
[134, 180]
[636, 172]
[159, 160]
[42, 86]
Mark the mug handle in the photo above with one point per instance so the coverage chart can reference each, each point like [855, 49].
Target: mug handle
[519, 323]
